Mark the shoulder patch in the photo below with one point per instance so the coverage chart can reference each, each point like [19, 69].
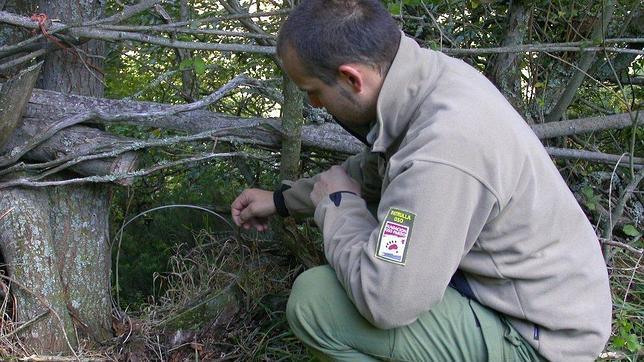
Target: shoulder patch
[395, 233]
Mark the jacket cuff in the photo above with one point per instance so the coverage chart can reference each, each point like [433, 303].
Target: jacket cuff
[278, 200]
[327, 210]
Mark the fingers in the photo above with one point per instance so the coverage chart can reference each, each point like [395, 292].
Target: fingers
[251, 209]
[236, 208]
[257, 224]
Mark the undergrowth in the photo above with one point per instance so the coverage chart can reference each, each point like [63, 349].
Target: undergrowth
[248, 323]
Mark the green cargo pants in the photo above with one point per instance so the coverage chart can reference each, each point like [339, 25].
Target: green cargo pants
[322, 316]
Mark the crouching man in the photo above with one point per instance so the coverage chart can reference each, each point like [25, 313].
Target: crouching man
[452, 237]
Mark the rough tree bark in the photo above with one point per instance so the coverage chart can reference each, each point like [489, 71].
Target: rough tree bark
[55, 240]
[506, 70]
[292, 122]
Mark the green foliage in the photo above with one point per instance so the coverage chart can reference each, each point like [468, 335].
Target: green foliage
[590, 199]
[630, 230]
[626, 338]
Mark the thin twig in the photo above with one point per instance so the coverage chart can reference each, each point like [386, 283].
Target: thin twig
[621, 245]
[6, 213]
[27, 324]
[126, 13]
[638, 162]
[25, 58]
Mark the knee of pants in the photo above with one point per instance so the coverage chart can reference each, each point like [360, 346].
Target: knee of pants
[307, 295]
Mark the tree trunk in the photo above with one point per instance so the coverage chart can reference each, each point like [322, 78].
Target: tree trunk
[55, 240]
[506, 70]
[292, 122]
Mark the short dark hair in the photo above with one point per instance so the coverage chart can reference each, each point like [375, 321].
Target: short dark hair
[328, 33]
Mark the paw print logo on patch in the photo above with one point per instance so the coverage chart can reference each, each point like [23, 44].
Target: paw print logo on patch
[391, 245]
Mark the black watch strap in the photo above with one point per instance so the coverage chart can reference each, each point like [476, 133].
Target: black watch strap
[278, 200]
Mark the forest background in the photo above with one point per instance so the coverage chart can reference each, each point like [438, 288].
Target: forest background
[179, 281]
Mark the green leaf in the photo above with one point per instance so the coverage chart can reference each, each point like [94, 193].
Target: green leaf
[630, 230]
[632, 344]
[200, 65]
[185, 64]
[394, 9]
[433, 45]
[590, 199]
[619, 342]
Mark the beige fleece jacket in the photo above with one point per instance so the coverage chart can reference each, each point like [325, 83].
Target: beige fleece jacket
[461, 181]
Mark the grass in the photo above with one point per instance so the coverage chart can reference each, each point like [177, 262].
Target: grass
[251, 326]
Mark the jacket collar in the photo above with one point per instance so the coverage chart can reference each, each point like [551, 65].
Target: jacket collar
[410, 78]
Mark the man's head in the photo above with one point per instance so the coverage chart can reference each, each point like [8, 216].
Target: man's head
[339, 53]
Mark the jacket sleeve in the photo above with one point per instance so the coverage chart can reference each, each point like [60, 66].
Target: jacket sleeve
[451, 208]
[360, 167]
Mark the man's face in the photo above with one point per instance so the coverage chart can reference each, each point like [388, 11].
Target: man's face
[339, 98]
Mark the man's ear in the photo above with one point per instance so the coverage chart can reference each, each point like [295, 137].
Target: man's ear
[352, 76]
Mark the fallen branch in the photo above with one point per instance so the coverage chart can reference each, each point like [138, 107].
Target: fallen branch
[621, 245]
[326, 136]
[68, 161]
[27, 324]
[638, 162]
[48, 131]
[28, 182]
[583, 125]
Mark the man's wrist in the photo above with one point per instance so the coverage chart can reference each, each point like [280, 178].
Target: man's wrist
[280, 203]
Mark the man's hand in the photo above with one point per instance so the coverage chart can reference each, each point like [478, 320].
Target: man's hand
[252, 208]
[333, 180]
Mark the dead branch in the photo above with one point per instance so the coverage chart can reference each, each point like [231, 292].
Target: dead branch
[37, 358]
[6, 213]
[110, 35]
[209, 20]
[234, 7]
[127, 12]
[165, 29]
[27, 324]
[638, 162]
[49, 105]
[23, 59]
[29, 182]
[74, 140]
[48, 130]
[584, 125]
[127, 146]
[621, 245]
